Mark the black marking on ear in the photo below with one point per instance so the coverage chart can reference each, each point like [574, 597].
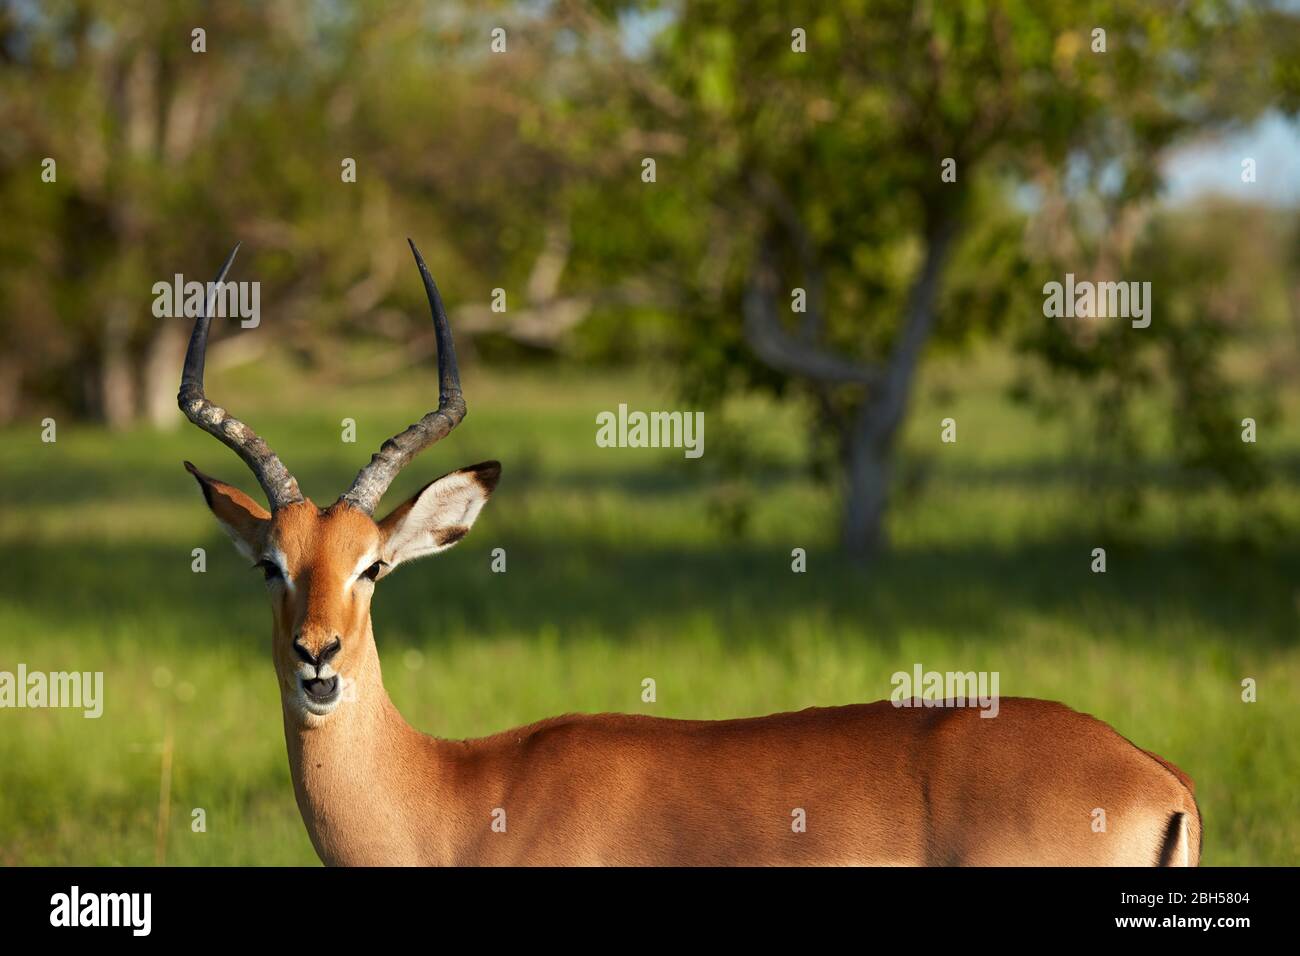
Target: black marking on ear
[203, 485]
[449, 536]
[486, 474]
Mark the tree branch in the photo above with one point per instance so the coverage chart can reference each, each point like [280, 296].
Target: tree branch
[882, 417]
[783, 351]
[795, 355]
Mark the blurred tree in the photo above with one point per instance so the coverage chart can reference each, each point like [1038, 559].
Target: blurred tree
[804, 146]
[1225, 291]
[167, 154]
[128, 113]
[797, 146]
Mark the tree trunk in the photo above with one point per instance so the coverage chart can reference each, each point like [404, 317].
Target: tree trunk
[867, 440]
[11, 391]
[116, 382]
[868, 468]
[869, 445]
[162, 372]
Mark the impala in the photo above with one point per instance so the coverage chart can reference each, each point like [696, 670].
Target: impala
[861, 784]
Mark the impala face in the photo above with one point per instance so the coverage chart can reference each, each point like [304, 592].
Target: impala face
[321, 567]
[321, 564]
[320, 570]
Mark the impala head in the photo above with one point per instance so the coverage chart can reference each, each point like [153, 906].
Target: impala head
[321, 564]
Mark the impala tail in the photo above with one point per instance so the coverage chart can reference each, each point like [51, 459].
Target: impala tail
[1182, 843]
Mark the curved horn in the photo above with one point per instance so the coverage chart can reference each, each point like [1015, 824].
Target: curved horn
[373, 480]
[280, 487]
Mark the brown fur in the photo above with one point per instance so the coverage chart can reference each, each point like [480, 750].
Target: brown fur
[878, 784]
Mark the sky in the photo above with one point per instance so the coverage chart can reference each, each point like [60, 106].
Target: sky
[1214, 165]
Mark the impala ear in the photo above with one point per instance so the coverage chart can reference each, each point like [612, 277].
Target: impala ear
[439, 514]
[239, 515]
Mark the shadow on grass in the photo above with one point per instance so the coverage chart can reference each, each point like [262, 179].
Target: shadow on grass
[572, 586]
[137, 471]
[746, 594]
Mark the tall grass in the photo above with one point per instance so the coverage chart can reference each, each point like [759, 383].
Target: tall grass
[622, 564]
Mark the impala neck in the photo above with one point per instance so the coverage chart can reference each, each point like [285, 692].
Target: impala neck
[358, 775]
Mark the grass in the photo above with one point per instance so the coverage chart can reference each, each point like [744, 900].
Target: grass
[620, 568]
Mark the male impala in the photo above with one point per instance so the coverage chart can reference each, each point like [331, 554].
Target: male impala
[876, 784]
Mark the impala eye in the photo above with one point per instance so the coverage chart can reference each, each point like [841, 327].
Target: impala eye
[270, 569]
[372, 573]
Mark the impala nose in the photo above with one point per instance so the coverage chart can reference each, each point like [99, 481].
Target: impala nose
[320, 682]
[323, 657]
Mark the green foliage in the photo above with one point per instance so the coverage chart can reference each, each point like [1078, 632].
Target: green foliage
[1182, 386]
[166, 156]
[834, 156]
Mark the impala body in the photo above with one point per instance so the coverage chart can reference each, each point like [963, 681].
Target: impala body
[863, 784]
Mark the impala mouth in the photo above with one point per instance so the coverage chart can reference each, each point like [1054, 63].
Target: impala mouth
[320, 693]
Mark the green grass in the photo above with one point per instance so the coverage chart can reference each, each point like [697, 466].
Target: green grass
[620, 569]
